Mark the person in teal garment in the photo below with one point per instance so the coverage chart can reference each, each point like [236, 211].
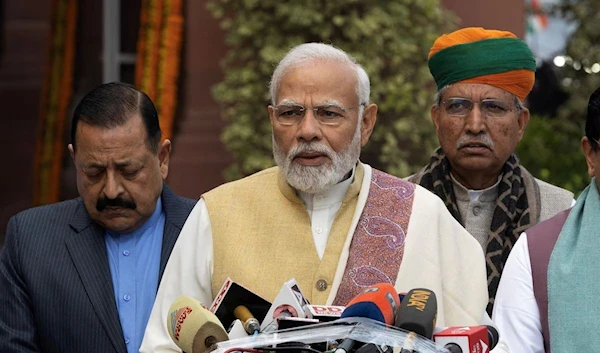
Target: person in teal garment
[547, 297]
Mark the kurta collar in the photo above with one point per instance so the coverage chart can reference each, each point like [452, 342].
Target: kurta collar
[483, 195]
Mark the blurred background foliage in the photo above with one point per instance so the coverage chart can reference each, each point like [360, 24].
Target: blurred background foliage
[551, 147]
[580, 75]
[391, 39]
[551, 150]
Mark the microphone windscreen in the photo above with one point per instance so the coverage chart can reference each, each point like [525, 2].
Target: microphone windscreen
[192, 327]
[250, 323]
[378, 302]
[242, 313]
[418, 312]
[493, 336]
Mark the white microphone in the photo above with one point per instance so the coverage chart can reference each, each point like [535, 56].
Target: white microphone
[194, 328]
[289, 303]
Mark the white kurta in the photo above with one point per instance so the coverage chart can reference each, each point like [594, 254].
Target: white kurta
[516, 312]
[438, 254]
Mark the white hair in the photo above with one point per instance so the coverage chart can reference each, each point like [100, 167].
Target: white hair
[313, 52]
[317, 179]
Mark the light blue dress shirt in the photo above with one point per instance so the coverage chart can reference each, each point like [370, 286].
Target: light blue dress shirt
[134, 261]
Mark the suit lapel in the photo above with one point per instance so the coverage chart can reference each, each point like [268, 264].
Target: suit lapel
[88, 252]
[176, 212]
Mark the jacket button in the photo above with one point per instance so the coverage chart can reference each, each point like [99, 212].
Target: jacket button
[321, 285]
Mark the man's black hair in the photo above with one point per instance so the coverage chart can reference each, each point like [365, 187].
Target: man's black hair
[592, 123]
[113, 104]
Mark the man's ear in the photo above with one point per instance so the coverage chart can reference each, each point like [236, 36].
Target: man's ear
[590, 155]
[434, 112]
[164, 152]
[367, 124]
[71, 152]
[523, 120]
[271, 110]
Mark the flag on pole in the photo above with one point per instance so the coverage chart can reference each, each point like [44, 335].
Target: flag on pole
[537, 21]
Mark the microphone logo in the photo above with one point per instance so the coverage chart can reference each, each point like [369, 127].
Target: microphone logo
[221, 295]
[299, 296]
[418, 299]
[484, 347]
[177, 318]
[390, 298]
[371, 290]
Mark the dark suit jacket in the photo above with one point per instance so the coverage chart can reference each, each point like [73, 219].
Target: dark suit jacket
[56, 292]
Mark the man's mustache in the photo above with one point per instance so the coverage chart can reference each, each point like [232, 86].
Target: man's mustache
[118, 202]
[308, 147]
[467, 139]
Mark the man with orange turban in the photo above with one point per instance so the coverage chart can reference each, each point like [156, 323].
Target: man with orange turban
[483, 77]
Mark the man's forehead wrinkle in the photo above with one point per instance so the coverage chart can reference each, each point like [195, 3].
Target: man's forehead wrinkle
[106, 161]
[288, 102]
[477, 90]
[327, 102]
[331, 102]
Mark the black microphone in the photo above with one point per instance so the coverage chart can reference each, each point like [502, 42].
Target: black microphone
[418, 312]
[233, 301]
[374, 348]
[493, 336]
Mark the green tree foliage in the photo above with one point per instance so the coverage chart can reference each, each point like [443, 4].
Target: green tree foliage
[551, 151]
[551, 146]
[391, 39]
[580, 75]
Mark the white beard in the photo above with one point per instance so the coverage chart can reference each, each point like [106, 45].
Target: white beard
[316, 179]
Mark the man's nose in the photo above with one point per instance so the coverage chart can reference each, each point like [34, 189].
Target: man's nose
[475, 121]
[309, 128]
[113, 187]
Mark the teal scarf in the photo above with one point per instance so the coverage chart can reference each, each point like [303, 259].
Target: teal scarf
[574, 278]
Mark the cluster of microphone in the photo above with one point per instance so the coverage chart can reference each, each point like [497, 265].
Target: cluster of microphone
[197, 329]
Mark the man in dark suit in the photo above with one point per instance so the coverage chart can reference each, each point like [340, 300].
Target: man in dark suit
[82, 275]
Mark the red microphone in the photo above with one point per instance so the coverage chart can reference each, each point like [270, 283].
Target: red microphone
[467, 339]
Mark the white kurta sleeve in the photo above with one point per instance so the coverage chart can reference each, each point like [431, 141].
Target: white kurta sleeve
[516, 313]
[188, 272]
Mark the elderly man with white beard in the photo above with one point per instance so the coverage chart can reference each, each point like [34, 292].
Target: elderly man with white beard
[321, 216]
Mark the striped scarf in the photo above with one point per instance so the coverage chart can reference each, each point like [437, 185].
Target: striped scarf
[513, 214]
